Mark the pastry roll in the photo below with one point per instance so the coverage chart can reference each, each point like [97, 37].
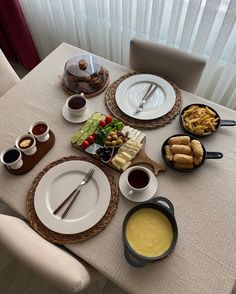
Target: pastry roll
[197, 148]
[197, 160]
[181, 149]
[183, 166]
[169, 154]
[183, 158]
[179, 140]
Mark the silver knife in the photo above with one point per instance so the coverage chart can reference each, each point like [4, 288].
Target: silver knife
[76, 190]
[83, 182]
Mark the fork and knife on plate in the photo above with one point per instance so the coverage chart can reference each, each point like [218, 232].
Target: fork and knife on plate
[73, 195]
[149, 93]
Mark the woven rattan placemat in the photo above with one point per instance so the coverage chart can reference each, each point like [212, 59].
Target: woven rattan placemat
[144, 124]
[72, 238]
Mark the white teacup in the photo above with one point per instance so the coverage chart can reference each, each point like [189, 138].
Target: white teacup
[27, 144]
[138, 179]
[76, 104]
[12, 158]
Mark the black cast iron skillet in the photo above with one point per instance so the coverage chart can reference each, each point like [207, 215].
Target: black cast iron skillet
[220, 122]
[166, 207]
[206, 154]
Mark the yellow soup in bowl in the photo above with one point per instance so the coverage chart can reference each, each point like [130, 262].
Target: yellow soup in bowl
[149, 232]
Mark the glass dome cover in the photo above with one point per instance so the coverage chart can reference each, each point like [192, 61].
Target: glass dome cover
[84, 73]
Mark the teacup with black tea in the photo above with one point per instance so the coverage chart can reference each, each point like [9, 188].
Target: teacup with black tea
[138, 179]
[76, 104]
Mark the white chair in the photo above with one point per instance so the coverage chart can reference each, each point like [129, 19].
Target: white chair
[8, 77]
[182, 68]
[49, 261]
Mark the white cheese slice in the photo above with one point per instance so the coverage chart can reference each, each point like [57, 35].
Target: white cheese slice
[119, 160]
[125, 156]
[126, 165]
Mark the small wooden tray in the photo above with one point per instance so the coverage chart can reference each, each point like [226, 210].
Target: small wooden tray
[141, 157]
[29, 161]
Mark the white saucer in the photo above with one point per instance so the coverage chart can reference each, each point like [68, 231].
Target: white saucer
[138, 196]
[78, 119]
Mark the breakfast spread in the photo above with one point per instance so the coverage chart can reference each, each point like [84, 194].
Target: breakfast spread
[183, 152]
[149, 232]
[200, 120]
[108, 138]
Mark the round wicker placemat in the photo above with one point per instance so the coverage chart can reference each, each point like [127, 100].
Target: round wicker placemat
[145, 124]
[71, 238]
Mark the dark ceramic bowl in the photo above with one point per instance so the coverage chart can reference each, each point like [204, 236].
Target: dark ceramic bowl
[166, 207]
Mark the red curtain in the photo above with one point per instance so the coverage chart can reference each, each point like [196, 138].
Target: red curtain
[15, 38]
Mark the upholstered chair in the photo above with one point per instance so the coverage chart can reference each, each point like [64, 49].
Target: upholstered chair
[8, 77]
[182, 68]
[49, 261]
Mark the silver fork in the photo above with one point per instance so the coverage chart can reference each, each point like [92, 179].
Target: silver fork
[147, 96]
[76, 192]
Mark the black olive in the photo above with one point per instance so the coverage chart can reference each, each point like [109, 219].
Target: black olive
[100, 152]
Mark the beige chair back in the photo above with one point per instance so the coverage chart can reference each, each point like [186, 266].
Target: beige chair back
[182, 68]
[8, 77]
[50, 262]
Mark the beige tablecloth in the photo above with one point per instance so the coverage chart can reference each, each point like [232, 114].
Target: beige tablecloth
[204, 260]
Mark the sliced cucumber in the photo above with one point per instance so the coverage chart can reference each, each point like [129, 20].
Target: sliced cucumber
[82, 138]
[96, 115]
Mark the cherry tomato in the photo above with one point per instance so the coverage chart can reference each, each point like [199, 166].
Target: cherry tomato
[94, 135]
[102, 123]
[85, 144]
[108, 119]
[90, 139]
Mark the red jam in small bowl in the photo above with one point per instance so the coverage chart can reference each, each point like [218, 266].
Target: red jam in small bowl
[39, 129]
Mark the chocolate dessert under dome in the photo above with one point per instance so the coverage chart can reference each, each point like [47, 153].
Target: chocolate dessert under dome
[83, 73]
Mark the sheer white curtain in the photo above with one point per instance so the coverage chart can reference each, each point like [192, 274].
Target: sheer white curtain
[105, 27]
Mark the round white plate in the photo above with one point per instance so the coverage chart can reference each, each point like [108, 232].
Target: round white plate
[78, 119]
[58, 183]
[131, 91]
[138, 196]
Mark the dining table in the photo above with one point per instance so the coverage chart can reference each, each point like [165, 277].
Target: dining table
[204, 259]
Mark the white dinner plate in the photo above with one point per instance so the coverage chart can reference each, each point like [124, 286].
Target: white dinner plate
[138, 196]
[131, 91]
[58, 183]
[81, 118]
